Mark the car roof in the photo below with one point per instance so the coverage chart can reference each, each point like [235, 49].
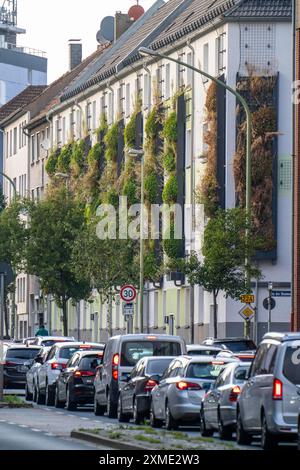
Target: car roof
[203, 347]
[89, 353]
[133, 337]
[23, 346]
[208, 359]
[43, 338]
[282, 336]
[221, 340]
[156, 358]
[77, 343]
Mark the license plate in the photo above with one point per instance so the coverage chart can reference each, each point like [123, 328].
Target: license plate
[89, 381]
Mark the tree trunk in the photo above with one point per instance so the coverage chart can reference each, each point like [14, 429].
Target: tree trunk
[215, 295]
[65, 316]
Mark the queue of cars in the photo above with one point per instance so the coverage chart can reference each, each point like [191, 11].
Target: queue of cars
[216, 384]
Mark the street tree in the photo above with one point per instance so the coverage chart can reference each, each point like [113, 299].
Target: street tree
[12, 242]
[222, 266]
[54, 225]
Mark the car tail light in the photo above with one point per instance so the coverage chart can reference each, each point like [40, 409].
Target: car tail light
[149, 385]
[188, 386]
[234, 394]
[57, 366]
[115, 374]
[115, 360]
[277, 389]
[218, 363]
[83, 373]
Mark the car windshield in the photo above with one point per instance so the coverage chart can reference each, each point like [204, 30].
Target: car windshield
[291, 366]
[68, 351]
[203, 352]
[90, 362]
[133, 351]
[25, 353]
[237, 346]
[207, 371]
[157, 366]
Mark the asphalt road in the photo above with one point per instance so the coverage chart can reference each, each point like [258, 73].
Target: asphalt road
[19, 437]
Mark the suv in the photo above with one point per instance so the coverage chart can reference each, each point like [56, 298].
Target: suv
[270, 400]
[235, 345]
[120, 356]
[56, 361]
[17, 360]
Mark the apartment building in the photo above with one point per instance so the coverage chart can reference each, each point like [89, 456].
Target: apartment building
[233, 40]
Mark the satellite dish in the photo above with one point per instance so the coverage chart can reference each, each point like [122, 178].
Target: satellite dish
[107, 30]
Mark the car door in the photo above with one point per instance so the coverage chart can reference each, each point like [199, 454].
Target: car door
[127, 390]
[66, 374]
[158, 391]
[290, 368]
[211, 401]
[166, 386]
[42, 373]
[102, 375]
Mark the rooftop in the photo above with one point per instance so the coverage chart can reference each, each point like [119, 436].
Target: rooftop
[20, 101]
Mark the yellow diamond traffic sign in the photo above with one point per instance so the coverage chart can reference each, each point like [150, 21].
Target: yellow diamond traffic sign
[247, 312]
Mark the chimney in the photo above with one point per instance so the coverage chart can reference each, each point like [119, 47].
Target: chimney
[122, 23]
[75, 53]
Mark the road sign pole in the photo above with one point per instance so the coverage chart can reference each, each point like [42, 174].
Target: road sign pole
[1, 335]
[247, 328]
[269, 313]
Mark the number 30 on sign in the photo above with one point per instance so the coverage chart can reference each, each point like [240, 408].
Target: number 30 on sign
[128, 293]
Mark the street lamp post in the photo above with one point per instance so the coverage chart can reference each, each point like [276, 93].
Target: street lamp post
[140, 153]
[144, 51]
[270, 289]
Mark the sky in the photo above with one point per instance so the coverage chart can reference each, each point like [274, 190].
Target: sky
[51, 23]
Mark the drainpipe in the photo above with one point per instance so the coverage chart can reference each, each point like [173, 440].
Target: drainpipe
[110, 88]
[192, 298]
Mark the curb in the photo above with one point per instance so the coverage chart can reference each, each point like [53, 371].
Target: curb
[11, 405]
[113, 444]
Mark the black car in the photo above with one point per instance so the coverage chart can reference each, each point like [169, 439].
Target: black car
[75, 384]
[235, 345]
[135, 396]
[17, 361]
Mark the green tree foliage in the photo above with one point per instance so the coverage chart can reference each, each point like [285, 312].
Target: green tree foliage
[224, 249]
[55, 224]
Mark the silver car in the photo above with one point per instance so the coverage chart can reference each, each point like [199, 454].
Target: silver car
[202, 350]
[218, 409]
[270, 400]
[31, 376]
[176, 400]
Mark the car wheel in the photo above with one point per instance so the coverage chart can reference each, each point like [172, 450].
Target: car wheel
[225, 432]
[98, 409]
[242, 436]
[28, 395]
[268, 440]
[122, 418]
[137, 415]
[57, 403]
[70, 405]
[154, 423]
[171, 423]
[49, 399]
[203, 429]
[112, 408]
[40, 399]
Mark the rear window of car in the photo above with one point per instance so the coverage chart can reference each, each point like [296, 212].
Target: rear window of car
[240, 374]
[291, 365]
[203, 352]
[90, 362]
[158, 366]
[22, 353]
[133, 351]
[207, 371]
[50, 342]
[68, 351]
[237, 346]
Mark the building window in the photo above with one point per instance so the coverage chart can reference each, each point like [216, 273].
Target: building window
[15, 143]
[72, 125]
[205, 60]
[10, 143]
[20, 136]
[33, 148]
[64, 131]
[121, 100]
[159, 82]
[88, 111]
[180, 72]
[79, 126]
[7, 145]
[221, 51]
[58, 132]
[110, 116]
[168, 81]
[38, 146]
[139, 88]
[189, 72]
[103, 105]
[128, 100]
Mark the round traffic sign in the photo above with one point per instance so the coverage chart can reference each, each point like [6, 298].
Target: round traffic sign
[266, 303]
[128, 293]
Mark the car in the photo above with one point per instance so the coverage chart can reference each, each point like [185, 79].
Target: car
[31, 376]
[236, 345]
[270, 399]
[218, 407]
[120, 356]
[75, 383]
[201, 350]
[299, 431]
[242, 356]
[176, 400]
[57, 359]
[17, 360]
[50, 340]
[135, 397]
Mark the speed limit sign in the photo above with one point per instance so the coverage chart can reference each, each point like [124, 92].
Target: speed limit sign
[128, 293]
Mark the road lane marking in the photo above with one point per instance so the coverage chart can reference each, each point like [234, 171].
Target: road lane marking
[35, 430]
[85, 419]
[13, 424]
[23, 426]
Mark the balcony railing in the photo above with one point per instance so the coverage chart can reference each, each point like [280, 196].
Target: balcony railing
[22, 49]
